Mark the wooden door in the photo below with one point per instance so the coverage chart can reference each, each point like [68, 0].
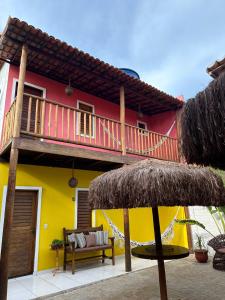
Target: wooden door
[83, 210]
[35, 92]
[22, 241]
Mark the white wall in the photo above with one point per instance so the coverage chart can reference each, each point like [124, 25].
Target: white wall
[201, 214]
[4, 72]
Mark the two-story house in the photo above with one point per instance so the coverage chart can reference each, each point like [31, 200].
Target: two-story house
[63, 114]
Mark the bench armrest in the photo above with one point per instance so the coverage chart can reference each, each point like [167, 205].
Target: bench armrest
[70, 244]
[112, 238]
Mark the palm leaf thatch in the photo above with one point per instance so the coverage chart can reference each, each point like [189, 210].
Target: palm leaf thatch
[203, 126]
[153, 182]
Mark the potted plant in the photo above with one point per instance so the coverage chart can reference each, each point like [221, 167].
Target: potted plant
[56, 244]
[201, 252]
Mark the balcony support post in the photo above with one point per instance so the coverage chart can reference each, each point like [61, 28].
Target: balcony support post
[122, 119]
[127, 240]
[14, 154]
[178, 127]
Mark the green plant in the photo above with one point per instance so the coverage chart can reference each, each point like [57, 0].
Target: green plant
[56, 244]
[218, 215]
[200, 243]
[193, 222]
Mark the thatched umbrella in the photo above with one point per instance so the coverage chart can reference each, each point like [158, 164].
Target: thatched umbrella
[153, 183]
[203, 126]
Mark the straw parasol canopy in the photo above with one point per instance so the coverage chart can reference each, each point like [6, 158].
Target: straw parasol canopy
[156, 183]
[203, 126]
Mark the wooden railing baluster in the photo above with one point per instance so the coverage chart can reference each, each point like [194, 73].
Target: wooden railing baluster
[104, 134]
[90, 128]
[68, 123]
[49, 119]
[79, 126]
[85, 128]
[99, 131]
[43, 118]
[56, 120]
[36, 116]
[74, 125]
[29, 113]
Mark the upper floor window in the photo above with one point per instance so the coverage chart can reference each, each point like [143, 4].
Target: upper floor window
[35, 91]
[86, 126]
[142, 125]
[142, 128]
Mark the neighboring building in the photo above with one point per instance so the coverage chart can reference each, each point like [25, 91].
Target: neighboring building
[216, 68]
[110, 119]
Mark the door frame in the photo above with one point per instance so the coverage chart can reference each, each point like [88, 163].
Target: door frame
[76, 208]
[39, 202]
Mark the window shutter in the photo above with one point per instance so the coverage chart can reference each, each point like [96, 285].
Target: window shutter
[88, 109]
[83, 210]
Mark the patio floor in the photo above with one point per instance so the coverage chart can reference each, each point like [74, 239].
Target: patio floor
[44, 283]
[186, 280]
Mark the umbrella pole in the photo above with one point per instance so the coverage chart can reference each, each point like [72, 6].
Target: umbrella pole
[161, 266]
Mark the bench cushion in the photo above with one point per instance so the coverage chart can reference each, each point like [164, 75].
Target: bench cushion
[88, 249]
[95, 248]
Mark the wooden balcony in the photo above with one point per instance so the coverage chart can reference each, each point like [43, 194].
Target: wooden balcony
[54, 122]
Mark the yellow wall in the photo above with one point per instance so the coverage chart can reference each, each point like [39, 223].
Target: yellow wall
[58, 209]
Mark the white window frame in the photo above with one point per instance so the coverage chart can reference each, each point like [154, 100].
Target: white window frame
[144, 123]
[93, 123]
[76, 208]
[38, 221]
[15, 81]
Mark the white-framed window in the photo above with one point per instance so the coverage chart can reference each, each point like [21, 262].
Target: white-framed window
[142, 125]
[84, 127]
[35, 91]
[27, 85]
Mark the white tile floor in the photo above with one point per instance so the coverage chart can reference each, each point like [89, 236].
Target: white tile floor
[44, 283]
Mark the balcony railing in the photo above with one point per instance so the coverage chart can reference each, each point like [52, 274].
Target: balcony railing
[54, 121]
[8, 125]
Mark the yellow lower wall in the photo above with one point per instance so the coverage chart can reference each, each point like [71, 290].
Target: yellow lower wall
[58, 209]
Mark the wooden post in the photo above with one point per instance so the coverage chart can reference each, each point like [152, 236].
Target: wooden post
[178, 116]
[127, 240]
[14, 153]
[189, 232]
[19, 98]
[122, 119]
[159, 250]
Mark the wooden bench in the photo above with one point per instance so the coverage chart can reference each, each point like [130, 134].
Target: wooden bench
[69, 248]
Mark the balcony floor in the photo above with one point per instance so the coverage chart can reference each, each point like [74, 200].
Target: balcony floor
[38, 152]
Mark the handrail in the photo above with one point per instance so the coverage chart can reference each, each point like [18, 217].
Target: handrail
[92, 114]
[54, 121]
[70, 107]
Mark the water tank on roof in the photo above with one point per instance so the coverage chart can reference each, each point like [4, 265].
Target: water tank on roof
[130, 72]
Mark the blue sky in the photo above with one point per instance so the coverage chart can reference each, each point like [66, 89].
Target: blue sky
[169, 43]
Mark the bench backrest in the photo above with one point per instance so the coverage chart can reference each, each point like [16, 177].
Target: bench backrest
[67, 232]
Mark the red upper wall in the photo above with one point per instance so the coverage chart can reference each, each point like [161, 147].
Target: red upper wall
[160, 123]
